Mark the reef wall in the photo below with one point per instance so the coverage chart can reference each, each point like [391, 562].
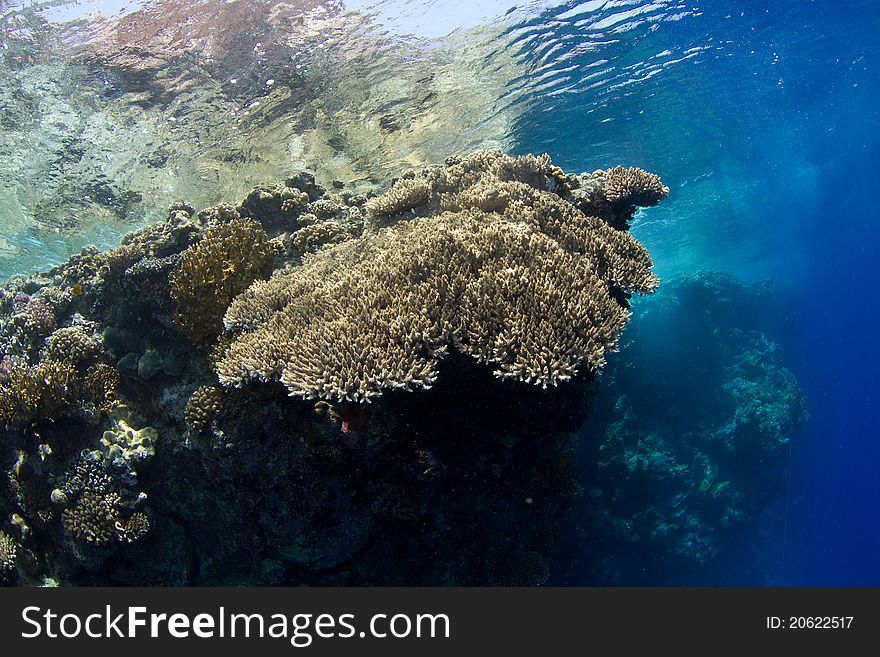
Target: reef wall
[686, 450]
[317, 388]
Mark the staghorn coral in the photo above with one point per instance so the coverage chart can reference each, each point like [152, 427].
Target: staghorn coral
[226, 261]
[487, 261]
[633, 186]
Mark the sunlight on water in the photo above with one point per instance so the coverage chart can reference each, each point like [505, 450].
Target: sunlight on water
[108, 119]
[112, 110]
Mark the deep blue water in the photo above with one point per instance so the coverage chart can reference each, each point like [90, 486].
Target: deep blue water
[770, 140]
[834, 521]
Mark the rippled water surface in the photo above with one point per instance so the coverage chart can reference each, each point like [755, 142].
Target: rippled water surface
[761, 117]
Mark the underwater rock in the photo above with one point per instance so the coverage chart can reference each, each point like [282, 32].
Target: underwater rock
[149, 364]
[129, 361]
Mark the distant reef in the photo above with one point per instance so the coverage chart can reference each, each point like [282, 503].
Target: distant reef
[316, 388]
[686, 448]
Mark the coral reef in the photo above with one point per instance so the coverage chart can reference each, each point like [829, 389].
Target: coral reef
[148, 442]
[211, 273]
[487, 262]
[683, 458]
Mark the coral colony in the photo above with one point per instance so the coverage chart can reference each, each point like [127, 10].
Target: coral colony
[315, 388]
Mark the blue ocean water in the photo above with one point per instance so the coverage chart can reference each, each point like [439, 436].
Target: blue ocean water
[762, 118]
[770, 139]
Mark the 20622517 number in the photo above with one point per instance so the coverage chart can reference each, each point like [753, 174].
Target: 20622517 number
[819, 622]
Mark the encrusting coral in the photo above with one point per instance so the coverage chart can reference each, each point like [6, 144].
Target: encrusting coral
[209, 274]
[480, 255]
[123, 443]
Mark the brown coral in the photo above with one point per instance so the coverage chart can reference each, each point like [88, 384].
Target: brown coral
[30, 393]
[205, 404]
[101, 382]
[229, 258]
[634, 186]
[512, 274]
[38, 391]
[71, 345]
[96, 516]
[8, 553]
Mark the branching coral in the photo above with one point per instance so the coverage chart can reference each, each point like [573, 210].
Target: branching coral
[96, 519]
[100, 385]
[488, 261]
[96, 516]
[49, 388]
[229, 258]
[203, 407]
[8, 552]
[633, 186]
[40, 316]
[36, 392]
[71, 344]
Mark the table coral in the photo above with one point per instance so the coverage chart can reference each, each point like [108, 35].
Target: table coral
[478, 255]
